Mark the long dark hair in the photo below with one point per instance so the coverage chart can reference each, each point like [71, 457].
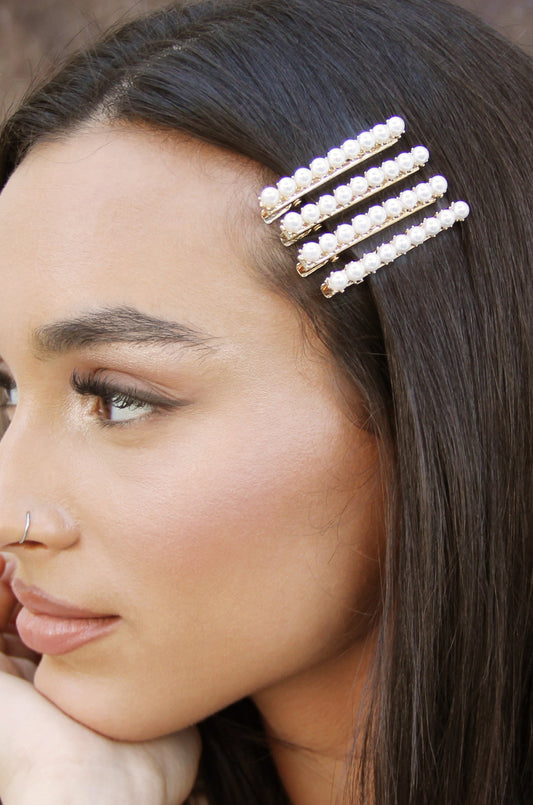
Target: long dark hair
[436, 345]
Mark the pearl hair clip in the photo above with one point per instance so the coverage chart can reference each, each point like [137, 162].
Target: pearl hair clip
[280, 202]
[275, 201]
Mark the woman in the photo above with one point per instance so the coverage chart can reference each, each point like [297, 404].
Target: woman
[299, 523]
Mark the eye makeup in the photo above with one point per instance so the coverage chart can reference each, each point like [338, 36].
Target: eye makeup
[118, 404]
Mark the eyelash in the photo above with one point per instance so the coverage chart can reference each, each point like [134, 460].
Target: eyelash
[110, 394]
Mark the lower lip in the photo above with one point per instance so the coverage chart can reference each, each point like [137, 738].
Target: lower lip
[47, 634]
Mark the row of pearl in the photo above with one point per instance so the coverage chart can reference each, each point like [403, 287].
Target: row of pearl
[295, 225]
[315, 254]
[355, 271]
[275, 200]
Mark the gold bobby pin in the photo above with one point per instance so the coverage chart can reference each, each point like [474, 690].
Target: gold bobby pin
[314, 254]
[296, 225]
[274, 201]
[355, 271]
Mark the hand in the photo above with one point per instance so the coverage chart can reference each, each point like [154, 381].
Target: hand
[15, 657]
[49, 759]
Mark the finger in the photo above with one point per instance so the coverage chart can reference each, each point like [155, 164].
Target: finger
[21, 706]
[10, 633]
[14, 647]
[8, 566]
[11, 627]
[7, 605]
[179, 756]
[16, 666]
[8, 666]
[8, 602]
[26, 668]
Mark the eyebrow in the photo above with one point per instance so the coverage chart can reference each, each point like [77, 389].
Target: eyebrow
[111, 326]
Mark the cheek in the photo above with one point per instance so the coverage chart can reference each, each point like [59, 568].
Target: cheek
[269, 548]
[225, 505]
[230, 572]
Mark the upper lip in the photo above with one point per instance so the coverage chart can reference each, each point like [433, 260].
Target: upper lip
[40, 603]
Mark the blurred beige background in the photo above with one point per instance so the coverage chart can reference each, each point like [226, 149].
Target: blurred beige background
[36, 33]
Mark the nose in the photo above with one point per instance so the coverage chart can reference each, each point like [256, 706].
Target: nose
[31, 512]
[42, 526]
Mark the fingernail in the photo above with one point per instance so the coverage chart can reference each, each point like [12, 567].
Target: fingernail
[9, 568]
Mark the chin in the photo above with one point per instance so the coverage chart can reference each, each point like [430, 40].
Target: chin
[107, 709]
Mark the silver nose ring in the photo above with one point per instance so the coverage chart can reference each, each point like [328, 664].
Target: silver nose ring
[26, 529]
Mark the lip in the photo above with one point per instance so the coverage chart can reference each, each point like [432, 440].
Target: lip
[49, 626]
[40, 603]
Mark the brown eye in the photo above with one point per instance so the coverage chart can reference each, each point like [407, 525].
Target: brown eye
[120, 407]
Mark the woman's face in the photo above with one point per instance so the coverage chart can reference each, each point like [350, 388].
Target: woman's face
[182, 448]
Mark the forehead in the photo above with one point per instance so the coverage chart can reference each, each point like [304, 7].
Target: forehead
[122, 215]
[131, 170]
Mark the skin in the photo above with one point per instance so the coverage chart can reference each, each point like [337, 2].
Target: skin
[237, 536]
[49, 758]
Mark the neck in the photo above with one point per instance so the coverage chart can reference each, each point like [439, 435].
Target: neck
[311, 721]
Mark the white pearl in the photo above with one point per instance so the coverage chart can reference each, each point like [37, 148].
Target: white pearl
[387, 253]
[396, 125]
[382, 133]
[361, 224]
[303, 177]
[439, 185]
[371, 262]
[424, 192]
[336, 157]
[351, 148]
[406, 162]
[391, 169]
[377, 215]
[367, 140]
[328, 242]
[375, 177]
[338, 281]
[420, 154]
[393, 207]
[417, 235]
[345, 233]
[327, 204]
[310, 252]
[461, 210]
[359, 185]
[319, 167]
[292, 222]
[310, 214]
[402, 243]
[269, 197]
[447, 218]
[432, 226]
[355, 271]
[409, 199]
[343, 194]
[286, 187]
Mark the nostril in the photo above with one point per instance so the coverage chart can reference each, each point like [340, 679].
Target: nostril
[44, 527]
